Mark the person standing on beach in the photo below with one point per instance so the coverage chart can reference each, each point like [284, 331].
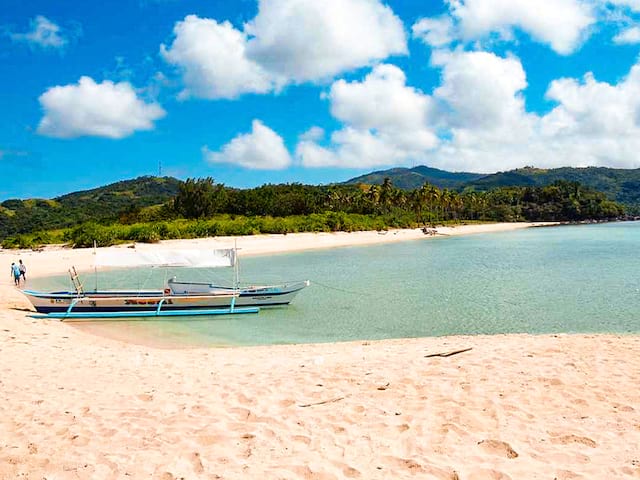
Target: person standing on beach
[23, 271]
[15, 271]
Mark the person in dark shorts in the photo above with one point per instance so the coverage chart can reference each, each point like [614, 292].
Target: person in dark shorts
[23, 270]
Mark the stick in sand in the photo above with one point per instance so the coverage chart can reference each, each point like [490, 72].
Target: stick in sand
[448, 354]
[323, 402]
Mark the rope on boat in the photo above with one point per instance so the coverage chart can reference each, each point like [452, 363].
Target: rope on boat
[314, 282]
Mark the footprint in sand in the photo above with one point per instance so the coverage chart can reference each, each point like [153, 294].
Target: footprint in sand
[302, 439]
[403, 428]
[498, 448]
[485, 474]
[197, 463]
[567, 439]
[567, 475]
[351, 472]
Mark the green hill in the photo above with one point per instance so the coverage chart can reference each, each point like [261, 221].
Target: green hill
[608, 180]
[108, 202]
[411, 178]
[621, 185]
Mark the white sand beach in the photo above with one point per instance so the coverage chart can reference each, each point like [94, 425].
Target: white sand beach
[56, 259]
[79, 406]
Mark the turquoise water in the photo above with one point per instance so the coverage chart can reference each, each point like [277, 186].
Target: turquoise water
[543, 280]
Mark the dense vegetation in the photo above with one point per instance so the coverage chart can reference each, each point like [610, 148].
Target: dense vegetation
[202, 208]
[412, 178]
[100, 204]
[620, 185]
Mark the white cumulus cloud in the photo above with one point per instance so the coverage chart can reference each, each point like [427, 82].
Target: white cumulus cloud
[106, 109]
[481, 89]
[262, 149]
[628, 36]
[436, 32]
[593, 123]
[44, 33]
[562, 24]
[212, 57]
[308, 41]
[289, 41]
[476, 120]
[386, 122]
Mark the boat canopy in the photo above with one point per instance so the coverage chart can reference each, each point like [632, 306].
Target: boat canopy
[127, 257]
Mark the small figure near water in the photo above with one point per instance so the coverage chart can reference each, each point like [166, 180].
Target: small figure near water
[23, 271]
[15, 271]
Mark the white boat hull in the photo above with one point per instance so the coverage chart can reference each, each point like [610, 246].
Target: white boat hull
[262, 296]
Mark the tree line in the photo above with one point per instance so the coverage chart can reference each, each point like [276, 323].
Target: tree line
[560, 201]
[202, 207]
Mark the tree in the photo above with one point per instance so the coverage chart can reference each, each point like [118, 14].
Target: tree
[199, 198]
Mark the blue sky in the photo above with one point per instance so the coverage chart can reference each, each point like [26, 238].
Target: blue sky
[271, 91]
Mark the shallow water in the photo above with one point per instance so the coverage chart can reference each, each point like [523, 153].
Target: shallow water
[543, 280]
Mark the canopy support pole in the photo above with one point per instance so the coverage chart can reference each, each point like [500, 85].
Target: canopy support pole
[159, 307]
[71, 305]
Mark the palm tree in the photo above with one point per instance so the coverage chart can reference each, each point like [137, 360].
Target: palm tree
[386, 191]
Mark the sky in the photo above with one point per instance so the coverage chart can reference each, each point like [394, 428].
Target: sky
[279, 91]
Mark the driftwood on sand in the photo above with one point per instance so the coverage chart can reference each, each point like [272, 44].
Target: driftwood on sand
[448, 354]
[337, 399]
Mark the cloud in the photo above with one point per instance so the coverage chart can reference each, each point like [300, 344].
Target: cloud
[476, 120]
[313, 134]
[44, 33]
[481, 89]
[629, 36]
[310, 41]
[106, 109]
[212, 58]
[436, 32]
[634, 5]
[562, 24]
[385, 121]
[593, 123]
[288, 42]
[262, 149]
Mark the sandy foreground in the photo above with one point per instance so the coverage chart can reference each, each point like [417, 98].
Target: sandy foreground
[74, 405]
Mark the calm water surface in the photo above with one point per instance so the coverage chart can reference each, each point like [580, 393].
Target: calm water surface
[541, 280]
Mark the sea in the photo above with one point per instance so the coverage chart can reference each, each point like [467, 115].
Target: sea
[566, 279]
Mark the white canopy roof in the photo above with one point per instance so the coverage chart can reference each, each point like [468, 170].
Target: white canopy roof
[127, 257]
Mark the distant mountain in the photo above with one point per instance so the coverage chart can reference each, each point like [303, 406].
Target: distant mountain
[618, 184]
[411, 178]
[18, 216]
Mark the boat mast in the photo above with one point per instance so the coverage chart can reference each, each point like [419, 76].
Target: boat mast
[236, 270]
[95, 265]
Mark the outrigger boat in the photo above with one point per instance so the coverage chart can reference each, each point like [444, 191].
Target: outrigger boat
[176, 299]
[80, 304]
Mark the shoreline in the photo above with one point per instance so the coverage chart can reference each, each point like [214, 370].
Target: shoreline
[57, 259]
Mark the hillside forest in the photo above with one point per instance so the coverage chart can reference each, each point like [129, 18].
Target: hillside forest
[149, 209]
